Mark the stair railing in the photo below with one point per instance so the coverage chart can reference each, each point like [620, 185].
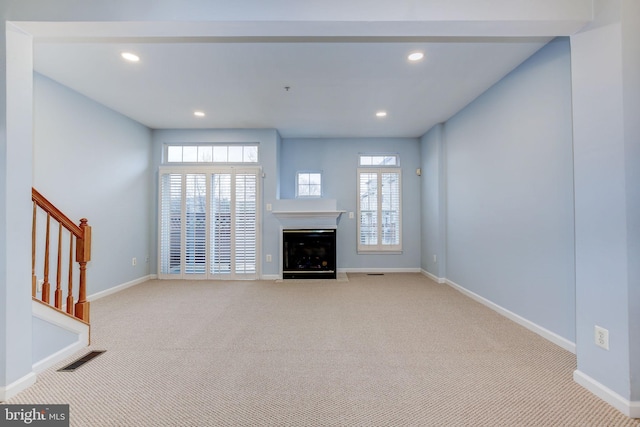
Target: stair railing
[82, 235]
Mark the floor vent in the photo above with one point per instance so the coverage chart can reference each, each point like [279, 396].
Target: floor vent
[84, 359]
[375, 274]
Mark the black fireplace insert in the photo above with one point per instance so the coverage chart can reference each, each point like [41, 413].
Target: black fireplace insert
[309, 254]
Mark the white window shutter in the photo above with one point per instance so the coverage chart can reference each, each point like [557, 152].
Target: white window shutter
[220, 230]
[379, 210]
[171, 224]
[209, 223]
[246, 223]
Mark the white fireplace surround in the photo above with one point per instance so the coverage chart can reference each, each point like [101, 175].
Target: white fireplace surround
[307, 213]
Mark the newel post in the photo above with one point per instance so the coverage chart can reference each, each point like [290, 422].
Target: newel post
[83, 255]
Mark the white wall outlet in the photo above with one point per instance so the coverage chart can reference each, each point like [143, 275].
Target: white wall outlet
[350, 215]
[269, 207]
[268, 257]
[40, 283]
[134, 261]
[435, 258]
[602, 337]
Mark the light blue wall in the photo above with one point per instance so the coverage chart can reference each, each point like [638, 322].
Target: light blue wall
[338, 160]
[433, 201]
[606, 88]
[269, 141]
[631, 102]
[509, 182]
[15, 206]
[49, 339]
[94, 163]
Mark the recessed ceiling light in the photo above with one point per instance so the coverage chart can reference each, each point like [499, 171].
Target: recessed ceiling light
[198, 113]
[415, 56]
[130, 56]
[381, 114]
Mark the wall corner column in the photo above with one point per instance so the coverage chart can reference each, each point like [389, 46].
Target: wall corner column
[606, 88]
[15, 213]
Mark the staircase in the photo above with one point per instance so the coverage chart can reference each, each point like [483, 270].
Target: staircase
[58, 241]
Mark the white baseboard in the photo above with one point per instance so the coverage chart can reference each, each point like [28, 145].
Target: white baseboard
[545, 333]
[270, 277]
[378, 270]
[7, 392]
[59, 356]
[629, 408]
[65, 322]
[121, 287]
[433, 277]
[61, 320]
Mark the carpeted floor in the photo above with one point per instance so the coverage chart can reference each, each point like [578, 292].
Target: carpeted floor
[391, 350]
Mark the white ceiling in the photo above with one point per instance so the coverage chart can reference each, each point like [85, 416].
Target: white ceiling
[336, 87]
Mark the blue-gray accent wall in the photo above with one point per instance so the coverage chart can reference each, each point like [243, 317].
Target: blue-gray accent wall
[337, 158]
[508, 177]
[94, 163]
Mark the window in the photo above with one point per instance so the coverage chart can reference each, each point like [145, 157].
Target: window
[379, 210]
[308, 184]
[209, 223]
[378, 160]
[211, 153]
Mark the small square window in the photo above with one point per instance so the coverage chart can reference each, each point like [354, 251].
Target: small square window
[309, 184]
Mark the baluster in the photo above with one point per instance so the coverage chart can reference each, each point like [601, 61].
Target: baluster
[45, 285]
[34, 279]
[70, 289]
[83, 255]
[58, 294]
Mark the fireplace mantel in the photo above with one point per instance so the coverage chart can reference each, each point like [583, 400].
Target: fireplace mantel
[303, 213]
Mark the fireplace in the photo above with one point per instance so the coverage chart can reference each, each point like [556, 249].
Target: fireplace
[309, 254]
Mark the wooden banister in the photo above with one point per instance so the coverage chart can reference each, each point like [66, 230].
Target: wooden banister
[82, 236]
[55, 213]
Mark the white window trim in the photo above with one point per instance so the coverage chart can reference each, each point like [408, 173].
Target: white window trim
[380, 248]
[298, 196]
[165, 153]
[209, 169]
[395, 155]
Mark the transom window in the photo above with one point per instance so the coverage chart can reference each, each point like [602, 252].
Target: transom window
[308, 184]
[211, 153]
[378, 160]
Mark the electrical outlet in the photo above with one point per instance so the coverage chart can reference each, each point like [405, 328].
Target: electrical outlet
[269, 207]
[435, 258]
[350, 215]
[40, 283]
[268, 257]
[602, 337]
[134, 261]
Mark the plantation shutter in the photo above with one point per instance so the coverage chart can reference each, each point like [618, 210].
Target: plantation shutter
[195, 231]
[221, 238]
[368, 230]
[390, 209]
[246, 223]
[209, 224]
[170, 224]
[379, 210]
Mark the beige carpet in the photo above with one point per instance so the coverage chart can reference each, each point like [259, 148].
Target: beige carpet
[392, 350]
